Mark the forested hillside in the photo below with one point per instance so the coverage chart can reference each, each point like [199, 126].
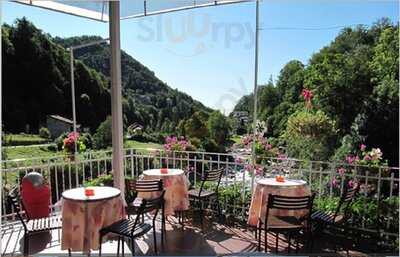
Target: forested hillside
[36, 82]
[355, 87]
[149, 101]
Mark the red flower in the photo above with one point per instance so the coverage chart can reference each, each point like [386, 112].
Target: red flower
[307, 94]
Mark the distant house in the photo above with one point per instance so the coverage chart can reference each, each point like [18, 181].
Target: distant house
[58, 125]
[241, 119]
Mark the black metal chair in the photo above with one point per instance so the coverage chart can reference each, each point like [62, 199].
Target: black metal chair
[133, 228]
[32, 226]
[133, 187]
[286, 224]
[335, 222]
[202, 195]
[341, 214]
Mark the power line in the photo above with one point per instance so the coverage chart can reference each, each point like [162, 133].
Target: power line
[312, 28]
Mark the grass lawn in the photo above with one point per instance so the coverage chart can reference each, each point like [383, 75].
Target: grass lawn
[26, 152]
[24, 139]
[137, 144]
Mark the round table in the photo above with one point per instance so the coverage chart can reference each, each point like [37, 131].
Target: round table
[176, 189]
[83, 216]
[266, 186]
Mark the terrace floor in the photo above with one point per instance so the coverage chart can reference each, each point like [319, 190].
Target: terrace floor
[216, 239]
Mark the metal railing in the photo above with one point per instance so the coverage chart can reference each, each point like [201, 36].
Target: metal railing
[62, 173]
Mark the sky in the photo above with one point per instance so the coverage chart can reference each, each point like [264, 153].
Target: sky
[209, 53]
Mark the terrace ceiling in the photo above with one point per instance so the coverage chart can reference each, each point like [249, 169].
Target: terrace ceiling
[99, 9]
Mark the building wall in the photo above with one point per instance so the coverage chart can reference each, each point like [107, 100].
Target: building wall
[57, 127]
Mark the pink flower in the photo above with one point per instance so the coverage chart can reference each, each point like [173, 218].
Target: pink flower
[352, 159]
[307, 94]
[351, 184]
[248, 167]
[238, 160]
[268, 147]
[334, 182]
[362, 147]
[259, 169]
[367, 157]
[341, 171]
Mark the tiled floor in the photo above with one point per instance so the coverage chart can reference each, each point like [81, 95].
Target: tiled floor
[216, 239]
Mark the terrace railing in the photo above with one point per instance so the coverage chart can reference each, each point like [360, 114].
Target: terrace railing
[379, 185]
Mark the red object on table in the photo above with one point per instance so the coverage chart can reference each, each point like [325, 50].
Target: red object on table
[164, 170]
[280, 178]
[36, 199]
[89, 192]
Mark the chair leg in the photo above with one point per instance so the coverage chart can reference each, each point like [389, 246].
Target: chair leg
[265, 239]
[133, 246]
[276, 242]
[100, 243]
[70, 254]
[219, 209]
[155, 239]
[258, 231]
[201, 214]
[26, 244]
[123, 246]
[119, 240]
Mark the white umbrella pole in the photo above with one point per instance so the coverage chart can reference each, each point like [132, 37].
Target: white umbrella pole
[253, 151]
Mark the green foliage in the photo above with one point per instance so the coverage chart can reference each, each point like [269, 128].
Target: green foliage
[309, 135]
[374, 215]
[103, 136]
[44, 133]
[86, 139]
[219, 127]
[44, 87]
[354, 81]
[147, 100]
[22, 139]
[59, 141]
[196, 126]
[102, 180]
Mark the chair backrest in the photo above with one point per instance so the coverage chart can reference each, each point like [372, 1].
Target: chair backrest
[212, 176]
[147, 206]
[290, 202]
[346, 199]
[148, 185]
[294, 203]
[133, 185]
[15, 200]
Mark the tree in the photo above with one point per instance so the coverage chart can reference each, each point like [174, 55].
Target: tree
[196, 126]
[309, 135]
[103, 136]
[219, 127]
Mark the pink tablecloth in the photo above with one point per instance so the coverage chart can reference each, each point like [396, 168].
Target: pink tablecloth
[264, 187]
[176, 189]
[82, 220]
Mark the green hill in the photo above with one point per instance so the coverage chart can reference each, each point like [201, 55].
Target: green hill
[36, 82]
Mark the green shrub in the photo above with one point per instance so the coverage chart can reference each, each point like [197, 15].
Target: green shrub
[52, 148]
[87, 140]
[103, 136]
[102, 180]
[310, 135]
[59, 141]
[44, 133]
